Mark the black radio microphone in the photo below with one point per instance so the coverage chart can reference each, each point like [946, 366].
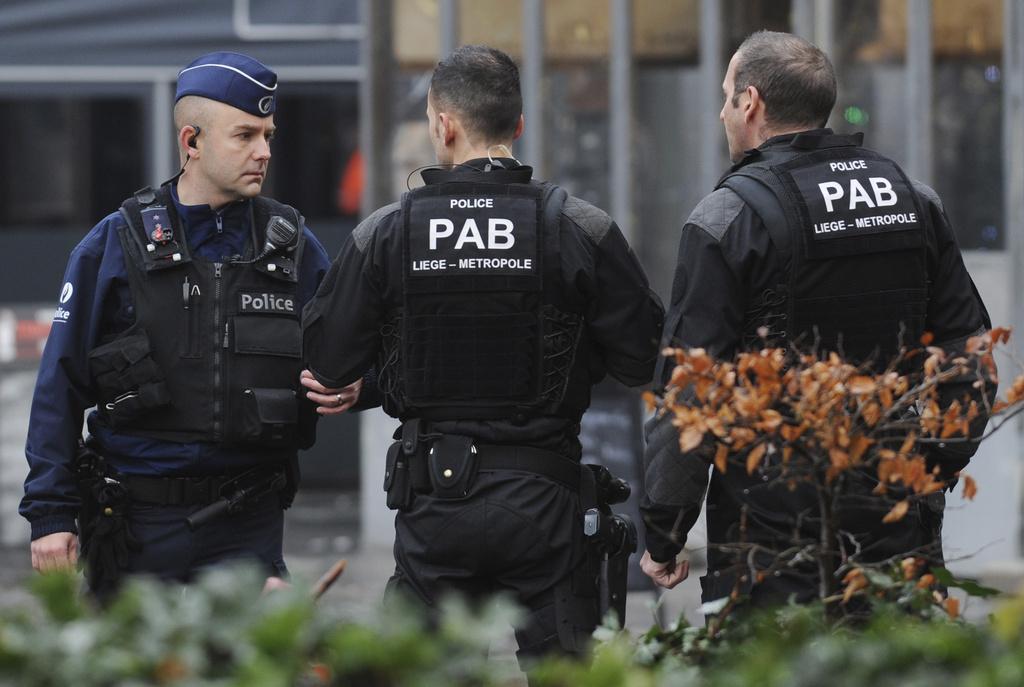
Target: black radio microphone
[281, 235]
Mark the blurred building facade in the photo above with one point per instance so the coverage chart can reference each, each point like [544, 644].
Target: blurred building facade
[621, 102]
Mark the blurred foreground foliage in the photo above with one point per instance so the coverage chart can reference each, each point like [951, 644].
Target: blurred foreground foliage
[218, 633]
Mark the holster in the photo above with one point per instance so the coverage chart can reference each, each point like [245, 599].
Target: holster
[405, 458]
[104, 529]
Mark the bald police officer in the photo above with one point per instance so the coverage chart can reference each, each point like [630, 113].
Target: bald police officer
[179, 321]
[809, 238]
[490, 303]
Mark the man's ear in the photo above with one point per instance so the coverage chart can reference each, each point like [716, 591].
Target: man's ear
[519, 128]
[445, 128]
[753, 105]
[188, 139]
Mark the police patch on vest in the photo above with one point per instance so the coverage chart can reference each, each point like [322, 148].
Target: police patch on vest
[472, 235]
[266, 302]
[855, 197]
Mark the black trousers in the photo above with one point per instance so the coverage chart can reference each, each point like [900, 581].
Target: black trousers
[170, 551]
[514, 532]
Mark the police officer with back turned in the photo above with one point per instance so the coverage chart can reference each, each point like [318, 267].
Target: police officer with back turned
[810, 239]
[490, 303]
[179, 320]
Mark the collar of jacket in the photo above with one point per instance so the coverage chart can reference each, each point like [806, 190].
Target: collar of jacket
[509, 171]
[812, 139]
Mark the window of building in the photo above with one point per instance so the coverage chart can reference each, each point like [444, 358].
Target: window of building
[68, 161]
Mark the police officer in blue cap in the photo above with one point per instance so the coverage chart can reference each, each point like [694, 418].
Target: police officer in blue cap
[179, 321]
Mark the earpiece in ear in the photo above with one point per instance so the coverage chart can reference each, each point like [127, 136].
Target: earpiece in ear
[192, 138]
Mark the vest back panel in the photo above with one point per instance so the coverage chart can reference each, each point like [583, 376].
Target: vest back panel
[854, 242]
[480, 336]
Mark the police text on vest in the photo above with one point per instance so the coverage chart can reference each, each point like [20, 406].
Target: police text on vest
[881, 195]
[499, 233]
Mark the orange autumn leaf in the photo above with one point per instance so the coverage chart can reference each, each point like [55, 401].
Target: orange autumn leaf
[721, 457]
[792, 432]
[952, 607]
[858, 446]
[970, 487]
[908, 443]
[650, 400]
[999, 334]
[754, 458]
[927, 338]
[855, 581]
[897, 513]
[861, 384]
[690, 439]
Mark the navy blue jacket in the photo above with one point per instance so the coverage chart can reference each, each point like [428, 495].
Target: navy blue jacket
[95, 302]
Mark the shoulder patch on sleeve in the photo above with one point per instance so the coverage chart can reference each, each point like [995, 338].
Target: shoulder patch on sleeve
[594, 221]
[716, 211]
[928, 193]
[364, 232]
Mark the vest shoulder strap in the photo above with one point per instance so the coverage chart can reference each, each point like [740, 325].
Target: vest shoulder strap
[152, 235]
[263, 209]
[761, 189]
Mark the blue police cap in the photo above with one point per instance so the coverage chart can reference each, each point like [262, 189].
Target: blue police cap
[232, 78]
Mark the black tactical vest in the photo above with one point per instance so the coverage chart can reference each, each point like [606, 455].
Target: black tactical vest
[215, 350]
[484, 332]
[850, 231]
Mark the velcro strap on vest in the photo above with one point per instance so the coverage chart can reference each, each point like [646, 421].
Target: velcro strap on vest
[538, 461]
[175, 491]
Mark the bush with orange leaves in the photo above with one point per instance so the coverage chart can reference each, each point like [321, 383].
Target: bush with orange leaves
[817, 418]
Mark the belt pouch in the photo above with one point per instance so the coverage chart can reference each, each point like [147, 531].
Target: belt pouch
[453, 466]
[397, 485]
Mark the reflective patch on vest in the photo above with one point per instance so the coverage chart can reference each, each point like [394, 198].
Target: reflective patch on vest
[266, 303]
[855, 197]
[472, 235]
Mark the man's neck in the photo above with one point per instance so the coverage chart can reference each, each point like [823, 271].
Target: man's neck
[192, 193]
[467, 153]
[766, 133]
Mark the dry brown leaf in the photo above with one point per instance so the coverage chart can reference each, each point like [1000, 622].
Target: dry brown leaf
[970, 487]
[952, 607]
[999, 334]
[690, 439]
[650, 400]
[858, 446]
[897, 513]
[861, 384]
[754, 457]
[721, 457]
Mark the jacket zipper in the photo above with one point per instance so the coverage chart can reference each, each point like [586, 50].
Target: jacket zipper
[217, 392]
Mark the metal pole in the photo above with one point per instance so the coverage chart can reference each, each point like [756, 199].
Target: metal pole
[1013, 155]
[375, 106]
[801, 18]
[448, 17]
[711, 75]
[162, 156]
[919, 89]
[825, 26]
[621, 115]
[533, 85]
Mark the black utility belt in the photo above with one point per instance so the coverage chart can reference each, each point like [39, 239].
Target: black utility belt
[554, 466]
[183, 491]
[446, 465]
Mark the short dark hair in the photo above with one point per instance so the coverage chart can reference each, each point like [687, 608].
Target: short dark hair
[481, 84]
[794, 78]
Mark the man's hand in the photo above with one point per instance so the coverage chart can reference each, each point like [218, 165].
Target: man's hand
[273, 584]
[330, 401]
[57, 551]
[666, 575]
